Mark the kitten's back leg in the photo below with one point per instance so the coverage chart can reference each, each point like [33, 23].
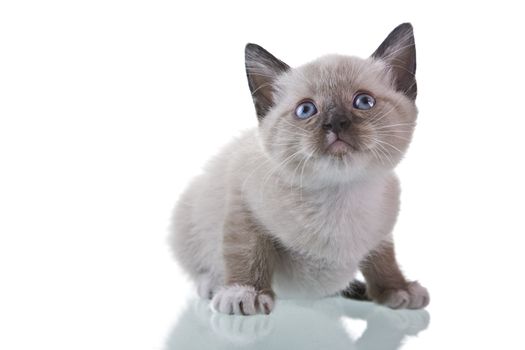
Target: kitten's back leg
[195, 241]
[356, 290]
[386, 284]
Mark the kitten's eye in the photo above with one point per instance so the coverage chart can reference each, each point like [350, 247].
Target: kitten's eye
[364, 101]
[305, 110]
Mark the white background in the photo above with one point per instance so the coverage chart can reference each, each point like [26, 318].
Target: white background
[108, 108]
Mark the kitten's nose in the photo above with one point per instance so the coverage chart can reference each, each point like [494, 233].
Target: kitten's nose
[337, 123]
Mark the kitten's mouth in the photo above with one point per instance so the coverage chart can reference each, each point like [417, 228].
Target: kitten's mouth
[338, 146]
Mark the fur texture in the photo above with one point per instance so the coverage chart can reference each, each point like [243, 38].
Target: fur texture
[297, 206]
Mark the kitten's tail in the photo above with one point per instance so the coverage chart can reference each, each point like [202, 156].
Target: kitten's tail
[356, 290]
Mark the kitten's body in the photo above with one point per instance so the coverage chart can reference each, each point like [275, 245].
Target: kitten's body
[286, 209]
[321, 245]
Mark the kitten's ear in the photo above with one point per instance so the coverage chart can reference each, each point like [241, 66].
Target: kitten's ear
[262, 68]
[399, 53]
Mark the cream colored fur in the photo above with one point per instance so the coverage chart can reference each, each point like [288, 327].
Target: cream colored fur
[325, 213]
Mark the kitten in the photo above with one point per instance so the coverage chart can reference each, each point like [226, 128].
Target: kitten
[297, 206]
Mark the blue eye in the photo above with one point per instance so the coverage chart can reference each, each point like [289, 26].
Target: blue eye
[305, 110]
[364, 101]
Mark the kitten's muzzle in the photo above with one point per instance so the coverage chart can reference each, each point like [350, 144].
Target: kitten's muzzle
[336, 144]
[337, 123]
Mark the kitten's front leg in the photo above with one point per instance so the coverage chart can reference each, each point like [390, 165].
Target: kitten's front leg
[249, 257]
[386, 283]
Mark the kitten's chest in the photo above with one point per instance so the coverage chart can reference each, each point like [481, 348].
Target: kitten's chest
[342, 224]
[326, 242]
[338, 225]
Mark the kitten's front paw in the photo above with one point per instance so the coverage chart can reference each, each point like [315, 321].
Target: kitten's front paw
[242, 300]
[414, 296]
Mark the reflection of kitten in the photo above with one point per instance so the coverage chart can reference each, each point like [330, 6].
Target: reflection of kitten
[329, 323]
[298, 205]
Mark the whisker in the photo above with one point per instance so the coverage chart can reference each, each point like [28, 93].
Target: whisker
[392, 135]
[385, 152]
[307, 132]
[279, 167]
[294, 172]
[388, 144]
[264, 161]
[310, 156]
[394, 125]
[381, 149]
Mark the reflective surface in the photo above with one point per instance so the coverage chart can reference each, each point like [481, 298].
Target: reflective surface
[332, 323]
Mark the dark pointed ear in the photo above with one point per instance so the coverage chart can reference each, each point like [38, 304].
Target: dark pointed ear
[262, 68]
[399, 53]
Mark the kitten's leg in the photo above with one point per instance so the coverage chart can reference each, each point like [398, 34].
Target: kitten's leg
[356, 290]
[386, 283]
[249, 256]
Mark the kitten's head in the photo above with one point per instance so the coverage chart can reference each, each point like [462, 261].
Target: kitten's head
[337, 117]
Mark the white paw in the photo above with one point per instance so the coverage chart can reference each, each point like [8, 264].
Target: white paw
[419, 297]
[242, 300]
[414, 297]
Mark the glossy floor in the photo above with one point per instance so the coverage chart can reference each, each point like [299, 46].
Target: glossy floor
[142, 301]
[332, 323]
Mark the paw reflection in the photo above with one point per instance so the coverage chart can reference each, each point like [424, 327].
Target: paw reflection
[241, 330]
[326, 323]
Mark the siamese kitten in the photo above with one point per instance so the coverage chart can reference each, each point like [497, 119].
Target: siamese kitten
[297, 206]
